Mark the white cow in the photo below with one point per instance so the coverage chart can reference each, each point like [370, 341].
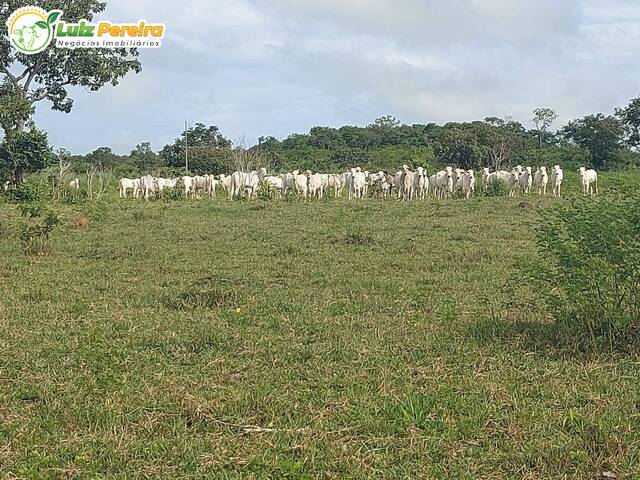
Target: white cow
[468, 183]
[540, 180]
[148, 186]
[336, 182]
[127, 184]
[399, 183]
[458, 179]
[513, 182]
[557, 176]
[301, 184]
[589, 179]
[163, 183]
[200, 183]
[408, 183]
[525, 180]
[420, 183]
[275, 182]
[357, 183]
[75, 184]
[442, 183]
[316, 190]
[187, 183]
[226, 182]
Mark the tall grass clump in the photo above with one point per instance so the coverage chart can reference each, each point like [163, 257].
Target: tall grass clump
[589, 276]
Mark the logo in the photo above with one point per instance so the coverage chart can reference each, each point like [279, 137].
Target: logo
[32, 29]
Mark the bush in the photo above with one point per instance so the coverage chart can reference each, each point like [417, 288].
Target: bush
[266, 191]
[34, 234]
[27, 193]
[591, 279]
[497, 188]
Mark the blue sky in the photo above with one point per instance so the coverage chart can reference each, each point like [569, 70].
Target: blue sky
[276, 67]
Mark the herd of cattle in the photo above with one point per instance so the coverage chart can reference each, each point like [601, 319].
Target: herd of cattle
[406, 184]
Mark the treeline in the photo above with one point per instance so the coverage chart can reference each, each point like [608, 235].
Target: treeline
[599, 141]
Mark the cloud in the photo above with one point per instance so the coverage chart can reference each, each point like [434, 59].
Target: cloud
[282, 66]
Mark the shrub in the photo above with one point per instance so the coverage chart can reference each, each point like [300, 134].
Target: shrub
[497, 188]
[591, 279]
[34, 234]
[27, 193]
[266, 191]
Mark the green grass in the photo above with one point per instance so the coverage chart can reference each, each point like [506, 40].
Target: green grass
[290, 340]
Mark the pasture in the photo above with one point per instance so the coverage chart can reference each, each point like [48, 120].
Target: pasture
[328, 339]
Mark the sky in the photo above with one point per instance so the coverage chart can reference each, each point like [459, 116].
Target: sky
[276, 67]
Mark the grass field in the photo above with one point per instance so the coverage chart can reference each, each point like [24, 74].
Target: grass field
[290, 340]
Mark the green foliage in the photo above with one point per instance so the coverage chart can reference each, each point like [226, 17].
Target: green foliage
[27, 192]
[591, 279]
[35, 232]
[57, 69]
[24, 152]
[601, 135]
[266, 191]
[209, 150]
[630, 118]
[497, 188]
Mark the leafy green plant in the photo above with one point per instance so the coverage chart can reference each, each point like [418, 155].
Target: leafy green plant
[590, 279]
[35, 233]
[497, 188]
[267, 191]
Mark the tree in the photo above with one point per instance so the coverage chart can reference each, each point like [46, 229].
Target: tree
[29, 79]
[385, 123]
[630, 117]
[206, 138]
[145, 159]
[543, 118]
[24, 152]
[601, 135]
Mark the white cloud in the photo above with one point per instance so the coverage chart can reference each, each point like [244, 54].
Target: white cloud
[275, 67]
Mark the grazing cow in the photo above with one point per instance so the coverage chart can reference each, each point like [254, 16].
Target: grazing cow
[589, 179]
[468, 183]
[148, 186]
[557, 176]
[316, 189]
[336, 182]
[75, 184]
[525, 180]
[127, 184]
[540, 180]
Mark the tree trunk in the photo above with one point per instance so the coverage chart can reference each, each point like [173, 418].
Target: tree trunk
[18, 176]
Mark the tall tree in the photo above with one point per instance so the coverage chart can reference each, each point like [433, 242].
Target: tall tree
[630, 117]
[542, 119]
[601, 135]
[202, 142]
[29, 79]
